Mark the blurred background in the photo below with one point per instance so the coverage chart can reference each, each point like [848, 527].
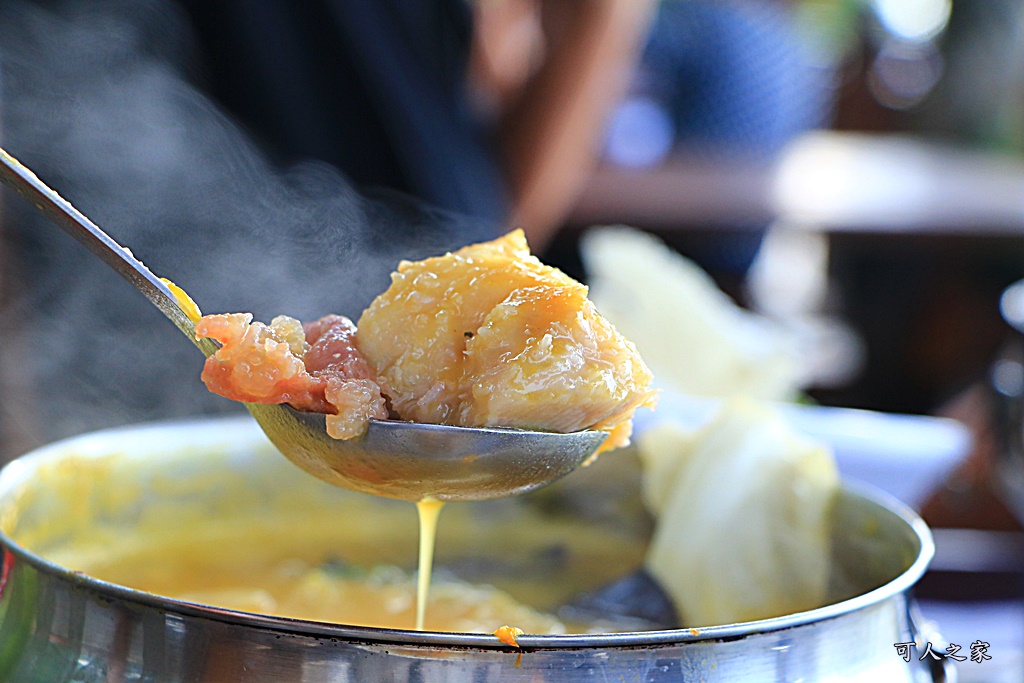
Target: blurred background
[852, 170]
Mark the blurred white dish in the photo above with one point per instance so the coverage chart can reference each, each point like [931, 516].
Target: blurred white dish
[909, 456]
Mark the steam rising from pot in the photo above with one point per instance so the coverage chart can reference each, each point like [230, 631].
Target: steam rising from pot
[96, 99]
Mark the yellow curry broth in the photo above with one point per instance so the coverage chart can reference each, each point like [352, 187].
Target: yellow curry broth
[256, 534]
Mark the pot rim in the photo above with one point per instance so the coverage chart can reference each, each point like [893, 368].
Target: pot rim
[367, 634]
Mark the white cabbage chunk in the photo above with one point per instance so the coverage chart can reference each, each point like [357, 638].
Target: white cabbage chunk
[691, 334]
[742, 508]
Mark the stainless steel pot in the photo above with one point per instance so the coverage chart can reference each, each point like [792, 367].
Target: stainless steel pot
[197, 477]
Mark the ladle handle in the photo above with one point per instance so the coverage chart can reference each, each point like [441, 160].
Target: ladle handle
[73, 222]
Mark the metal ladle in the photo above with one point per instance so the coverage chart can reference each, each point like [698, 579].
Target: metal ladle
[406, 460]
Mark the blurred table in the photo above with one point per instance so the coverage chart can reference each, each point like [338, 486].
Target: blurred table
[829, 181]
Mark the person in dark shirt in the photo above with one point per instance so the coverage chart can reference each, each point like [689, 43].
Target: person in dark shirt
[374, 87]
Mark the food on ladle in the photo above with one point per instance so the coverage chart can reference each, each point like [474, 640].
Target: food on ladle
[486, 336]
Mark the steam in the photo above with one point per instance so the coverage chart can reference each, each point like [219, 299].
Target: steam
[96, 101]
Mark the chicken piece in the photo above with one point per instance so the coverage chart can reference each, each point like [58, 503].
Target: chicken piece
[490, 336]
[317, 369]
